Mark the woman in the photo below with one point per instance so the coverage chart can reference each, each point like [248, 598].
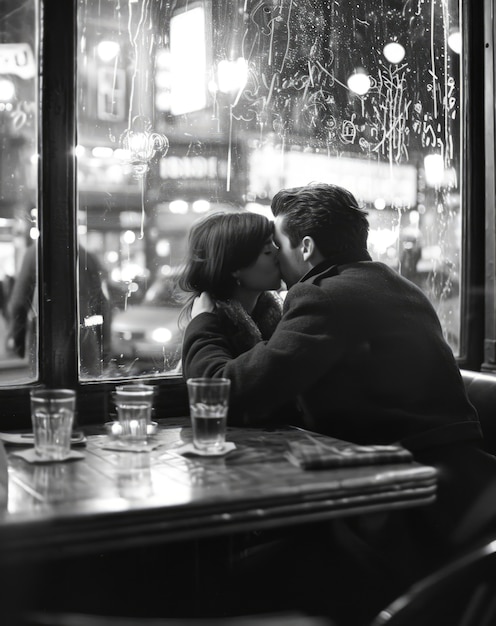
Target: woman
[232, 257]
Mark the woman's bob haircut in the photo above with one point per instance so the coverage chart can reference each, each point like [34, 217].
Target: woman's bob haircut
[220, 244]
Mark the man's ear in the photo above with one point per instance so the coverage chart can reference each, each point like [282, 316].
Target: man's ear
[307, 248]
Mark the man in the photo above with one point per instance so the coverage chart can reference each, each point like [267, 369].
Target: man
[361, 351]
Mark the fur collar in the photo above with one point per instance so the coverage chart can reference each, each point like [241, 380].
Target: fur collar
[244, 330]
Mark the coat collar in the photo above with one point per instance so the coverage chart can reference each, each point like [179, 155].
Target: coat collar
[329, 267]
[245, 330]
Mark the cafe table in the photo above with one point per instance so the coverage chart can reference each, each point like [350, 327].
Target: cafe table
[111, 498]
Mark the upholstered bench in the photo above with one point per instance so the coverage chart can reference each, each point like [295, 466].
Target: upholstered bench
[481, 389]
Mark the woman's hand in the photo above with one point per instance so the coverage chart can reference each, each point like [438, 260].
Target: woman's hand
[202, 304]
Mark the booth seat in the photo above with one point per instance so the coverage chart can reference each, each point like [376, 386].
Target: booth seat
[481, 389]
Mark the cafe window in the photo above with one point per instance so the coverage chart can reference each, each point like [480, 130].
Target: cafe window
[18, 191]
[179, 109]
[217, 105]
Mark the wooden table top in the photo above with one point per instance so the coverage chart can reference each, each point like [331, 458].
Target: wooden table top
[112, 498]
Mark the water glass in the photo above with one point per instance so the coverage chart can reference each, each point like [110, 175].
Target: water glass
[52, 415]
[208, 404]
[134, 410]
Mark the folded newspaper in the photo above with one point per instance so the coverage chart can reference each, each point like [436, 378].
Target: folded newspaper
[313, 453]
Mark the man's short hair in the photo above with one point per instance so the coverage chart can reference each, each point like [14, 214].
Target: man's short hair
[327, 213]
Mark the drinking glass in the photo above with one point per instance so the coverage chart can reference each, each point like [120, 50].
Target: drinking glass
[208, 403]
[52, 415]
[134, 409]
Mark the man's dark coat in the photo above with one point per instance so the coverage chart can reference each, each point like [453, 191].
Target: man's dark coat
[359, 348]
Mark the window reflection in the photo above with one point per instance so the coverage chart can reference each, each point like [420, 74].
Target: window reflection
[189, 107]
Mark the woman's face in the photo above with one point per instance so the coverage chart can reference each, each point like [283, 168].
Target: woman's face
[264, 274]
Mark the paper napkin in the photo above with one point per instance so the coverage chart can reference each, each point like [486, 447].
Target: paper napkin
[189, 448]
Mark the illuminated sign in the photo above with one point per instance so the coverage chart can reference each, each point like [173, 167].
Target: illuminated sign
[367, 179]
[17, 59]
[197, 170]
[193, 167]
[188, 61]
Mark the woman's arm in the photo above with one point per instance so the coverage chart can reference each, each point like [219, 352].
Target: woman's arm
[305, 345]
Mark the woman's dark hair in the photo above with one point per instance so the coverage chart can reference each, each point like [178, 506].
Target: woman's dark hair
[327, 213]
[218, 245]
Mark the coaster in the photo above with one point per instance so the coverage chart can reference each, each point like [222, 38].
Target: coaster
[189, 448]
[127, 446]
[27, 439]
[31, 457]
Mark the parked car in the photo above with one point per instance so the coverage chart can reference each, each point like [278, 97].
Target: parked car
[146, 338]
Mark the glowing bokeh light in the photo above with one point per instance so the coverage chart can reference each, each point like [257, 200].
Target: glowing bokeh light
[455, 42]
[161, 335]
[7, 90]
[107, 50]
[359, 82]
[394, 52]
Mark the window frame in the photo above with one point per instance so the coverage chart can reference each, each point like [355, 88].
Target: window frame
[474, 171]
[58, 224]
[489, 280]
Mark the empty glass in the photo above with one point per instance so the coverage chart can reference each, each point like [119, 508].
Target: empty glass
[52, 415]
